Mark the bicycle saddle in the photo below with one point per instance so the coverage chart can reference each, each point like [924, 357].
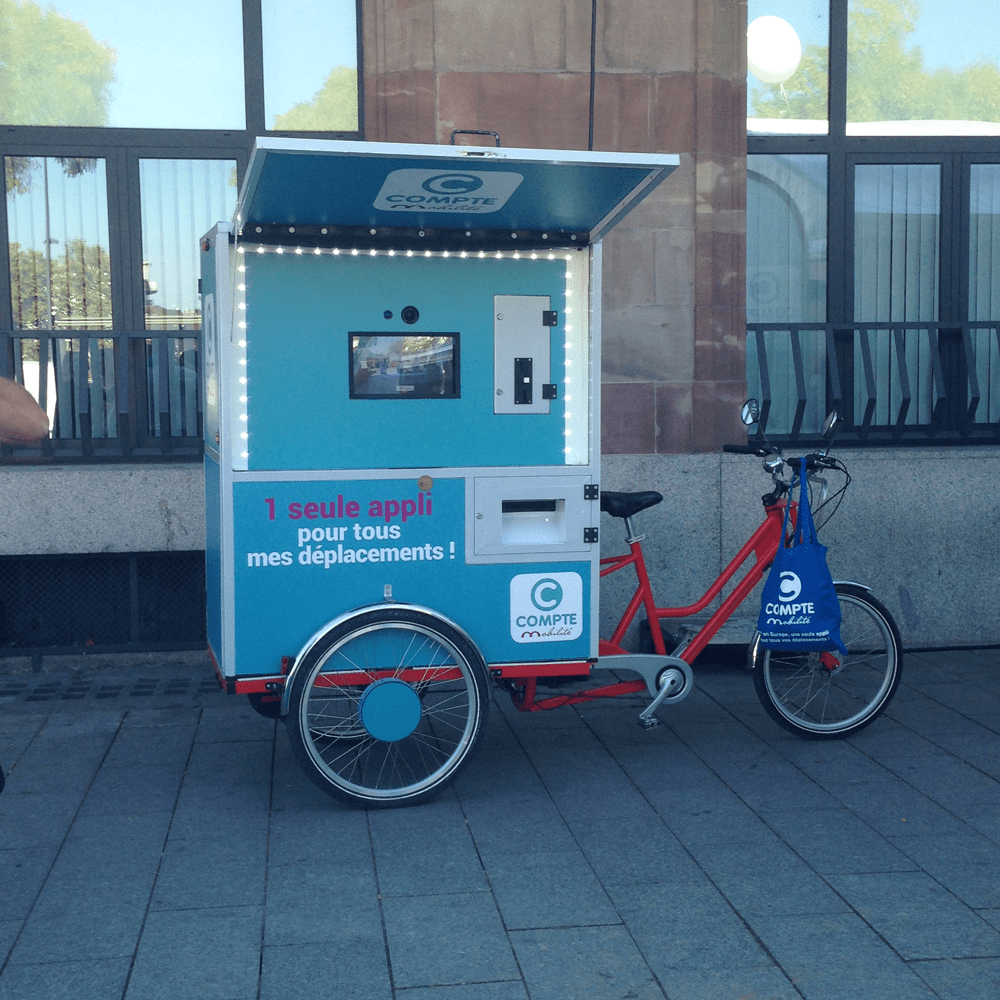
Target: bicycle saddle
[627, 504]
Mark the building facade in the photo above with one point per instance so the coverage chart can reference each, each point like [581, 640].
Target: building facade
[821, 243]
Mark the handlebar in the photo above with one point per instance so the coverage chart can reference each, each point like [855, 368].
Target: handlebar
[812, 461]
[774, 463]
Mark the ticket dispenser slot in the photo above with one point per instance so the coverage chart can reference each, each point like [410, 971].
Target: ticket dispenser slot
[533, 514]
[533, 522]
[522, 353]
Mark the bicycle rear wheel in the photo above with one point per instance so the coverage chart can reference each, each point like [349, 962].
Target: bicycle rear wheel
[828, 695]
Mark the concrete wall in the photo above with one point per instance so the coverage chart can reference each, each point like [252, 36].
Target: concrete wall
[72, 509]
[917, 525]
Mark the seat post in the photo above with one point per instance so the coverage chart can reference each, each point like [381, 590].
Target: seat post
[630, 536]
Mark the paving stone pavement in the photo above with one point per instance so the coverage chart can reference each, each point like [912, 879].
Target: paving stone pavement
[158, 841]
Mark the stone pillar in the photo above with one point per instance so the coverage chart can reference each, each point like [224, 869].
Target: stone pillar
[670, 77]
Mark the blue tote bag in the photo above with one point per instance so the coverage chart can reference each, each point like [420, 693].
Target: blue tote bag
[799, 608]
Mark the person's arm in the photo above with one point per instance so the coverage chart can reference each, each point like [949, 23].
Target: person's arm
[22, 420]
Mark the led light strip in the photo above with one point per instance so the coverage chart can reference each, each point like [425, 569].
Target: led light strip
[262, 248]
[241, 436]
[575, 414]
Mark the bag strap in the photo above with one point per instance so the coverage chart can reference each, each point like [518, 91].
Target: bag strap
[784, 525]
[805, 528]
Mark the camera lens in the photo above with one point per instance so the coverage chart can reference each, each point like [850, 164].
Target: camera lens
[410, 314]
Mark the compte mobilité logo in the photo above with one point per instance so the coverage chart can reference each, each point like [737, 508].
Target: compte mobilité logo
[546, 595]
[452, 184]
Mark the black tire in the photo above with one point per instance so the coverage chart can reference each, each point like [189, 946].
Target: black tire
[386, 739]
[807, 698]
[267, 705]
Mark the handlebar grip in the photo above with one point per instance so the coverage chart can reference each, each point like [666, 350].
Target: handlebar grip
[740, 449]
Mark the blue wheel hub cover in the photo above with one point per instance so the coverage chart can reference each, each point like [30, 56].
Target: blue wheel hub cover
[390, 710]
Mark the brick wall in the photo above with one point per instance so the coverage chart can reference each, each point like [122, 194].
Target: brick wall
[670, 77]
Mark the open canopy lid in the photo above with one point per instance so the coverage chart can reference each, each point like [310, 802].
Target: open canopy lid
[327, 192]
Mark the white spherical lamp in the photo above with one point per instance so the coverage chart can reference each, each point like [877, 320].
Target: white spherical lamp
[773, 49]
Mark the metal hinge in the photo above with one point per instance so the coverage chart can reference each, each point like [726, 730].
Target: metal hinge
[550, 317]
[590, 536]
[591, 491]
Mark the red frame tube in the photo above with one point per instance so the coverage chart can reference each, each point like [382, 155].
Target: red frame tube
[525, 700]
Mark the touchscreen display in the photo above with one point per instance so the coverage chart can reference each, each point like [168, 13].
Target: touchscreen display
[404, 366]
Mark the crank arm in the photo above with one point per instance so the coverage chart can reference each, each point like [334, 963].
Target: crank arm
[676, 683]
[669, 679]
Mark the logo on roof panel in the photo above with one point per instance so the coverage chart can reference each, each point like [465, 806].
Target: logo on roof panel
[469, 192]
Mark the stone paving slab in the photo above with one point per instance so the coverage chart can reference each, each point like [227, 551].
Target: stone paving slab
[597, 963]
[917, 916]
[158, 840]
[837, 956]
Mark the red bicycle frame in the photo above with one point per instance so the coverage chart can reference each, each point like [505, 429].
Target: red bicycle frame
[763, 544]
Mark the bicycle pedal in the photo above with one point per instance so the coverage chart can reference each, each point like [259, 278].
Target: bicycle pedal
[650, 723]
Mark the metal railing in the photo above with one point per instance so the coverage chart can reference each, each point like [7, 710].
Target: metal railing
[891, 383]
[135, 396]
[110, 395]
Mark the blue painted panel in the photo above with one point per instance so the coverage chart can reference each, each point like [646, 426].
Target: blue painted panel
[435, 192]
[300, 312]
[320, 556]
[213, 556]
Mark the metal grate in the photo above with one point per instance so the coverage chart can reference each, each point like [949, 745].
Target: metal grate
[103, 686]
[171, 597]
[134, 601]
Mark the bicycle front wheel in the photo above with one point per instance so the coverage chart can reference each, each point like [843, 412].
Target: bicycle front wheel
[827, 695]
[387, 707]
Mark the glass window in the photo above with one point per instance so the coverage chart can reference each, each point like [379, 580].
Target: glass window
[897, 238]
[310, 87]
[180, 201]
[786, 283]
[57, 228]
[787, 60]
[923, 69]
[786, 239]
[897, 233]
[150, 65]
[984, 242]
[60, 279]
[984, 286]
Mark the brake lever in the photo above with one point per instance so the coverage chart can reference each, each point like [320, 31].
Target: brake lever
[824, 487]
